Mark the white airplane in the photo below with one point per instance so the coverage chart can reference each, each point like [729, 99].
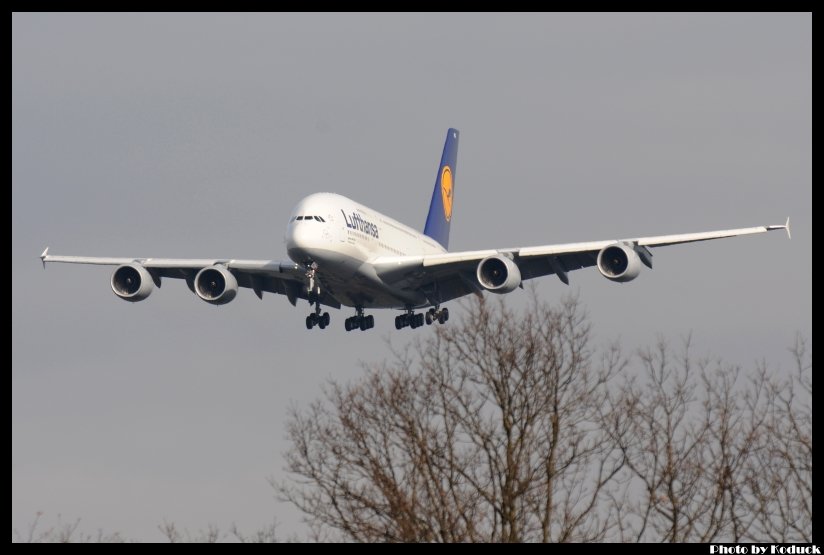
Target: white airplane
[343, 253]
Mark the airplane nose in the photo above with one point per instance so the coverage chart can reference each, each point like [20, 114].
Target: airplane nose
[300, 238]
[293, 236]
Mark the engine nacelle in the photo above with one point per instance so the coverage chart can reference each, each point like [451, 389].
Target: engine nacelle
[619, 262]
[132, 282]
[498, 274]
[215, 285]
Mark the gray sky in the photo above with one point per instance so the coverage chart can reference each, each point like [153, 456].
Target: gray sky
[177, 135]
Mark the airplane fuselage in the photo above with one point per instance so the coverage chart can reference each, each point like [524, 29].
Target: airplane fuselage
[343, 238]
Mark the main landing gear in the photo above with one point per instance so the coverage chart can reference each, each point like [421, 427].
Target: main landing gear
[412, 320]
[359, 321]
[317, 319]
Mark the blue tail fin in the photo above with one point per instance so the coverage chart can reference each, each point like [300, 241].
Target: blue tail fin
[440, 209]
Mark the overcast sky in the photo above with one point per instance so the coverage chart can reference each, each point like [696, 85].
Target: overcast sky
[177, 135]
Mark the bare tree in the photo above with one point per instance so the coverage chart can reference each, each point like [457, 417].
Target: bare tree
[685, 442]
[509, 427]
[70, 532]
[212, 534]
[779, 476]
[63, 532]
[488, 431]
[713, 456]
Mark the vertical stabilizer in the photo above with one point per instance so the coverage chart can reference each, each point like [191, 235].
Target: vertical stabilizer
[440, 208]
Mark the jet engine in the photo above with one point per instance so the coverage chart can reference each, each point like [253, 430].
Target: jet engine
[619, 262]
[215, 285]
[132, 282]
[498, 274]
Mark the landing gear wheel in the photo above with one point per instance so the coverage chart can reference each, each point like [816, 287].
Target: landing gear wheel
[415, 321]
[360, 320]
[316, 318]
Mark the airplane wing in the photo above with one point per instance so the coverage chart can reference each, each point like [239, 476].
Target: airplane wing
[281, 277]
[447, 276]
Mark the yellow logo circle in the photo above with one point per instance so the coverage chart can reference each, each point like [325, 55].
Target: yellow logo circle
[446, 192]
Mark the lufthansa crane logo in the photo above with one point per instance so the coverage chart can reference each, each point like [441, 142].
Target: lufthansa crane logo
[446, 192]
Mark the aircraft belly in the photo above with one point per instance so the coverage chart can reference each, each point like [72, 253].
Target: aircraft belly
[354, 283]
[344, 275]
[373, 296]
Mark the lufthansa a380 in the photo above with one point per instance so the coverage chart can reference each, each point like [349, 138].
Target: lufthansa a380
[345, 254]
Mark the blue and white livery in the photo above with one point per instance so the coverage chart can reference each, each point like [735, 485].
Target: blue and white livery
[343, 253]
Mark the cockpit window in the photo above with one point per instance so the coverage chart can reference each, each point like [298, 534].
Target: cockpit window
[318, 218]
[299, 218]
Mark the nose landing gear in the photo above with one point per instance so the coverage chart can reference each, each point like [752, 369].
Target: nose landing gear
[313, 293]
